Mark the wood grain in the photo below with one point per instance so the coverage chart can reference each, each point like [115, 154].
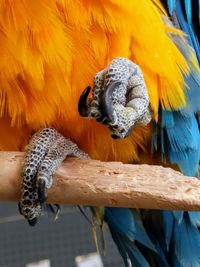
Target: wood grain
[91, 182]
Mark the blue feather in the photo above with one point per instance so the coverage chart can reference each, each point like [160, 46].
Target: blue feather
[186, 243]
[194, 218]
[183, 140]
[120, 246]
[178, 215]
[171, 6]
[159, 243]
[141, 234]
[154, 227]
[188, 10]
[128, 251]
[121, 220]
[199, 11]
[187, 26]
[168, 223]
[176, 262]
[136, 257]
[160, 257]
[182, 145]
[192, 93]
[192, 80]
[123, 229]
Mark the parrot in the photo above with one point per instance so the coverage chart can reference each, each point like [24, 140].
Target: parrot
[139, 64]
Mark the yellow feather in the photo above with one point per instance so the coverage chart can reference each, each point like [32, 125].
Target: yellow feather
[51, 50]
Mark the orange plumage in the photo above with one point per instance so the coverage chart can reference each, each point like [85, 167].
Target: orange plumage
[51, 50]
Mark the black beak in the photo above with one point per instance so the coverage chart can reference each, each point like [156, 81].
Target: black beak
[107, 101]
[82, 104]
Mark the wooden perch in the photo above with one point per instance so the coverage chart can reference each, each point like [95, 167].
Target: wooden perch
[91, 182]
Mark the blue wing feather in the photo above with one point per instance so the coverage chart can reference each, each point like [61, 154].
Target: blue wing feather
[192, 93]
[188, 10]
[169, 238]
[136, 257]
[186, 24]
[122, 221]
[171, 6]
[155, 228]
[141, 234]
[194, 218]
[180, 142]
[186, 243]
[183, 140]
[168, 224]
[120, 245]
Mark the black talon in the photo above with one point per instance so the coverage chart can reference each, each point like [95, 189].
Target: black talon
[115, 136]
[82, 103]
[33, 222]
[99, 119]
[105, 121]
[41, 191]
[19, 208]
[107, 101]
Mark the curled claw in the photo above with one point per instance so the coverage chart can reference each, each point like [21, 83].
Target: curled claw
[33, 222]
[82, 104]
[107, 101]
[19, 208]
[41, 191]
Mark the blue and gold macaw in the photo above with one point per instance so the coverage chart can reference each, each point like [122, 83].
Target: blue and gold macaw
[143, 66]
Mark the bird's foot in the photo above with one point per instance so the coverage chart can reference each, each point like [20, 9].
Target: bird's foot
[45, 152]
[119, 98]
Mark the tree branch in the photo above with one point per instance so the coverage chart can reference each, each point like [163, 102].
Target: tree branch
[91, 182]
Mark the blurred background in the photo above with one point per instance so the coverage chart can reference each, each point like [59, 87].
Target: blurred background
[66, 242]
